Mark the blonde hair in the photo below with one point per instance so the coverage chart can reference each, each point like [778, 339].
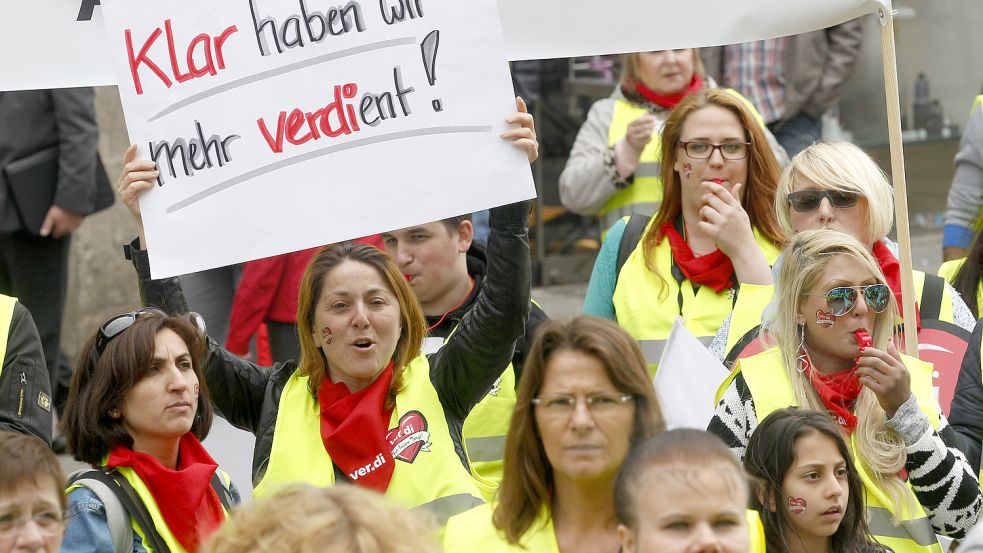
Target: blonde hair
[338, 519]
[880, 451]
[843, 167]
[629, 68]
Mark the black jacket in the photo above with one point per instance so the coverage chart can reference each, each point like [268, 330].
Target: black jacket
[966, 410]
[462, 372]
[477, 266]
[25, 393]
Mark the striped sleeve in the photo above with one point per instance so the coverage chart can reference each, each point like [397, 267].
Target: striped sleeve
[734, 419]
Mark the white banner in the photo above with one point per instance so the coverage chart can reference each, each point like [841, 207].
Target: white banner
[533, 30]
[687, 380]
[277, 127]
[53, 44]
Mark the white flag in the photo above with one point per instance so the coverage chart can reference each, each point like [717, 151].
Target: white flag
[687, 380]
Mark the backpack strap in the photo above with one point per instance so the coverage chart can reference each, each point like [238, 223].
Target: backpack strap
[224, 495]
[633, 233]
[133, 505]
[116, 517]
[931, 301]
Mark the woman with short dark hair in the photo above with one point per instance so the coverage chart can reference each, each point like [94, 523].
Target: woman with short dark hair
[138, 409]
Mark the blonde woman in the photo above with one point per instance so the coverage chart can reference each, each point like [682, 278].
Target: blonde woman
[340, 519]
[830, 293]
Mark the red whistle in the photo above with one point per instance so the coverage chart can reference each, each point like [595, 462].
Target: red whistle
[718, 181]
[864, 340]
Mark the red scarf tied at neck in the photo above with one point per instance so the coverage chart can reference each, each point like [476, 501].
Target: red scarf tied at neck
[353, 429]
[892, 273]
[713, 269]
[189, 505]
[670, 101]
[838, 391]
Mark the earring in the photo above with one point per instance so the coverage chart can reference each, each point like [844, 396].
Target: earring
[803, 356]
[114, 413]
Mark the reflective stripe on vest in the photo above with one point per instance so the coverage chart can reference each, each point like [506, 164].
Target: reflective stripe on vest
[486, 426]
[646, 304]
[644, 194]
[155, 515]
[433, 477]
[6, 317]
[771, 389]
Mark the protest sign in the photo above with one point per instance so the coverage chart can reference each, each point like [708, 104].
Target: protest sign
[687, 380]
[53, 44]
[278, 127]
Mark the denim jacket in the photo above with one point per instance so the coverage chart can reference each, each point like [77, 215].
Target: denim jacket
[88, 531]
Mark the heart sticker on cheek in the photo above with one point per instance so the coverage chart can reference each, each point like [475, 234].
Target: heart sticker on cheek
[797, 505]
[326, 336]
[687, 170]
[825, 319]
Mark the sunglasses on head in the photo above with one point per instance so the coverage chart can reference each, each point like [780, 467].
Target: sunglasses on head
[118, 324]
[842, 299]
[810, 200]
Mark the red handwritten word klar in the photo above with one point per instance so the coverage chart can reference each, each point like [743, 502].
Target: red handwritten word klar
[202, 45]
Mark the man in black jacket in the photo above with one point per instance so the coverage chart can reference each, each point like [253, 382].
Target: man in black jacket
[25, 394]
[445, 268]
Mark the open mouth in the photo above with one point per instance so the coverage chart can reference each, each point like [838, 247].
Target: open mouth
[363, 343]
[833, 511]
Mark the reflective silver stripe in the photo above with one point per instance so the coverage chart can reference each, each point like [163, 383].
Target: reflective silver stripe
[612, 216]
[652, 349]
[918, 530]
[490, 448]
[444, 508]
[648, 169]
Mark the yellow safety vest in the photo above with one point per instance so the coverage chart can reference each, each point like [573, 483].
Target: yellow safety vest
[646, 305]
[948, 271]
[771, 389]
[486, 426]
[155, 515]
[7, 304]
[644, 194]
[433, 478]
[474, 531]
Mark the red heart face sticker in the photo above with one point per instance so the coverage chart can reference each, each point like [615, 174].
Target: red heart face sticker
[410, 437]
[797, 505]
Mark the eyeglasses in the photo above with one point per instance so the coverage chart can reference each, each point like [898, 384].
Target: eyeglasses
[842, 299]
[810, 200]
[49, 523]
[703, 150]
[597, 404]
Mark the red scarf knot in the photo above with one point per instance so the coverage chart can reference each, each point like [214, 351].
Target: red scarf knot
[892, 273]
[713, 269]
[838, 392]
[353, 430]
[189, 505]
[669, 101]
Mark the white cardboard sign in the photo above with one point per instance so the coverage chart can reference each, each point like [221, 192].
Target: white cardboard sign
[279, 126]
[687, 380]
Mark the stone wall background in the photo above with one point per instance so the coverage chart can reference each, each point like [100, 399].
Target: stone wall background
[101, 282]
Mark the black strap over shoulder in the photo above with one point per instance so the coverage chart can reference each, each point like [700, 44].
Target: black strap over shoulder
[930, 304]
[633, 233]
[223, 492]
[132, 503]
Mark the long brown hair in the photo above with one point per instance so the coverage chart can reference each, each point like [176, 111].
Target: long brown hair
[528, 479]
[413, 326]
[758, 194]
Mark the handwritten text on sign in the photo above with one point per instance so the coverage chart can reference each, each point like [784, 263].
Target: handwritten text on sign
[278, 125]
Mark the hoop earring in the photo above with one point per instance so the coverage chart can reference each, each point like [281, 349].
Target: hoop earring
[803, 356]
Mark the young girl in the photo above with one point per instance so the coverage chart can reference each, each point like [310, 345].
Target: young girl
[683, 491]
[809, 496]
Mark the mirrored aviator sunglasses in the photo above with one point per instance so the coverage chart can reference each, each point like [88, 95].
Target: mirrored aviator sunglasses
[810, 200]
[842, 299]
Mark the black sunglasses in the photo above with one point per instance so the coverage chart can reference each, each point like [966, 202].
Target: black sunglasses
[118, 324]
[810, 200]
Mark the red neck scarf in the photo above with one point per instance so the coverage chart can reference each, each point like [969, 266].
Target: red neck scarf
[838, 391]
[353, 429]
[670, 101]
[892, 273]
[713, 269]
[191, 508]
